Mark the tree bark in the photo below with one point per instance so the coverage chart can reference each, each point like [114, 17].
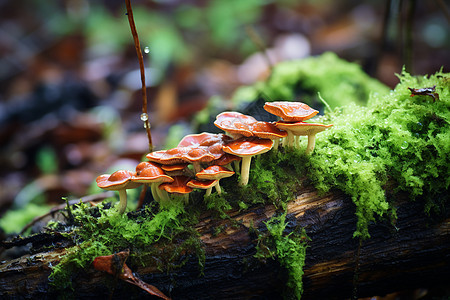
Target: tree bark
[412, 253]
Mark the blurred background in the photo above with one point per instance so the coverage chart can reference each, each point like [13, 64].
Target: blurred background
[70, 88]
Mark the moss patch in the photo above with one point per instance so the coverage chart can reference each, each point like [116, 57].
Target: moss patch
[397, 139]
[100, 231]
[288, 248]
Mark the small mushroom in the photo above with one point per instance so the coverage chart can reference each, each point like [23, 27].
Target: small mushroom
[290, 111]
[302, 128]
[118, 181]
[235, 124]
[193, 155]
[246, 147]
[202, 184]
[178, 187]
[214, 173]
[150, 173]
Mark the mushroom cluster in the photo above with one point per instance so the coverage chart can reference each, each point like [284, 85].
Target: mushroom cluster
[201, 160]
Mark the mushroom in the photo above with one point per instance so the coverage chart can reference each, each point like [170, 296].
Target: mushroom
[203, 139]
[118, 181]
[151, 173]
[195, 149]
[193, 155]
[246, 147]
[290, 111]
[302, 128]
[234, 124]
[214, 173]
[203, 184]
[177, 187]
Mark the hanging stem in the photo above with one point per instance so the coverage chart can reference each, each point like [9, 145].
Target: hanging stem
[141, 65]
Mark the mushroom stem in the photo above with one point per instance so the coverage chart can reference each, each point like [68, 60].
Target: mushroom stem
[164, 197]
[276, 142]
[154, 189]
[236, 166]
[297, 142]
[245, 170]
[218, 189]
[197, 167]
[289, 140]
[123, 201]
[208, 192]
[311, 143]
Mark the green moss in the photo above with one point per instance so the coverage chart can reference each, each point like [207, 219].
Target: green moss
[398, 140]
[288, 248]
[99, 231]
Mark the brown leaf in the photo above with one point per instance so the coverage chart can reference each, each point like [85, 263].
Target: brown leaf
[115, 265]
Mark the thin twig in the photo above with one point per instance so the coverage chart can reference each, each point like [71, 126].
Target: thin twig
[137, 45]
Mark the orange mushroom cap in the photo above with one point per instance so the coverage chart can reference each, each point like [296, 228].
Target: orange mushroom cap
[201, 184]
[214, 172]
[235, 123]
[203, 139]
[290, 111]
[172, 168]
[266, 130]
[178, 186]
[118, 180]
[181, 155]
[248, 146]
[147, 172]
[226, 159]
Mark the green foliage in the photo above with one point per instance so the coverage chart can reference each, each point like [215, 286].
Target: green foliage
[288, 248]
[398, 140]
[114, 232]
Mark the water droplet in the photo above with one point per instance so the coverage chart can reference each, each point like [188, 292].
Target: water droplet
[149, 125]
[404, 145]
[144, 117]
[146, 50]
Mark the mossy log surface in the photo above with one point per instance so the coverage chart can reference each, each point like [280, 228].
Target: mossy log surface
[413, 253]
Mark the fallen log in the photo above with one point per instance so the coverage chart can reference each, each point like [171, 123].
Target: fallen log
[412, 253]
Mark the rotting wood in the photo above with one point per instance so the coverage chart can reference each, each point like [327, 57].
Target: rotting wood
[415, 253]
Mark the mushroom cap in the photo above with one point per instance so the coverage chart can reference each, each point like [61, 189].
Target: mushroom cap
[302, 128]
[148, 172]
[290, 111]
[201, 184]
[248, 146]
[172, 168]
[214, 172]
[267, 130]
[234, 123]
[204, 147]
[226, 159]
[118, 180]
[183, 154]
[178, 186]
[203, 139]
